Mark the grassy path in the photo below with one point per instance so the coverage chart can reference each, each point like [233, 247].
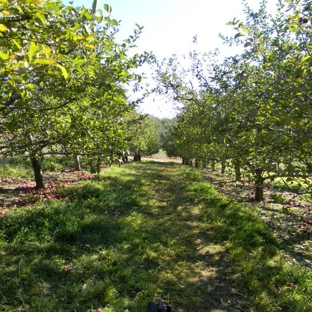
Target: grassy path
[142, 231]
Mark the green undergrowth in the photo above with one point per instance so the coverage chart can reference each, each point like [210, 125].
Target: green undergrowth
[139, 232]
[15, 167]
[296, 185]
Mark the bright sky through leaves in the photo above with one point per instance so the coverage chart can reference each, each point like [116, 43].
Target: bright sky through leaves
[170, 25]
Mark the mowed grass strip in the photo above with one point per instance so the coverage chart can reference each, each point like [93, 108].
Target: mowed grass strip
[139, 232]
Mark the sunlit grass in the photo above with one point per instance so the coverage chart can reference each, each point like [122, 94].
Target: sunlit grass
[141, 231]
[15, 167]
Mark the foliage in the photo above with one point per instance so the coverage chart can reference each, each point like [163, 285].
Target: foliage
[63, 79]
[143, 136]
[163, 126]
[299, 185]
[252, 109]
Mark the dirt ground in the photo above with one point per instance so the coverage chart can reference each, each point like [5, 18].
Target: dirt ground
[14, 190]
[161, 157]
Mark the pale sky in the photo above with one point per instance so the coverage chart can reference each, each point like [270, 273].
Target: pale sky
[169, 28]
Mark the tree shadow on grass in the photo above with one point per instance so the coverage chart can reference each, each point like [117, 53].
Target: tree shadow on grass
[141, 231]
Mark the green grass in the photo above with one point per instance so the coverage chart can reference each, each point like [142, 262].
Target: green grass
[15, 167]
[21, 167]
[18, 166]
[141, 231]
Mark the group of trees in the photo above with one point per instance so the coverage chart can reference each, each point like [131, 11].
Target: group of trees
[64, 83]
[252, 110]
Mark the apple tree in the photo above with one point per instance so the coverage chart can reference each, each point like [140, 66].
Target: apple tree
[63, 80]
[254, 107]
[142, 135]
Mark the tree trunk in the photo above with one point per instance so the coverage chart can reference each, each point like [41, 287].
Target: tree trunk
[197, 163]
[137, 157]
[238, 176]
[290, 170]
[36, 164]
[223, 166]
[259, 185]
[77, 163]
[98, 165]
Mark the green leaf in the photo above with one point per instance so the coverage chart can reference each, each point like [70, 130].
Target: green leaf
[3, 28]
[238, 35]
[108, 8]
[33, 48]
[99, 19]
[4, 56]
[63, 69]
[247, 31]
[16, 43]
[41, 18]
[90, 46]
[32, 86]
[87, 15]
[46, 51]
[305, 58]
[44, 61]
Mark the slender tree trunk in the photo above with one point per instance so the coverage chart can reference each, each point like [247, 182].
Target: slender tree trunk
[197, 163]
[36, 164]
[259, 185]
[238, 176]
[77, 163]
[223, 166]
[290, 170]
[98, 165]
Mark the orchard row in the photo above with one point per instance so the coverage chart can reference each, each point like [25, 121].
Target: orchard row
[253, 110]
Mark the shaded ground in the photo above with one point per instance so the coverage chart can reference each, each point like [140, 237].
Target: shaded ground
[180, 249]
[290, 221]
[13, 190]
[291, 224]
[203, 267]
[140, 230]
